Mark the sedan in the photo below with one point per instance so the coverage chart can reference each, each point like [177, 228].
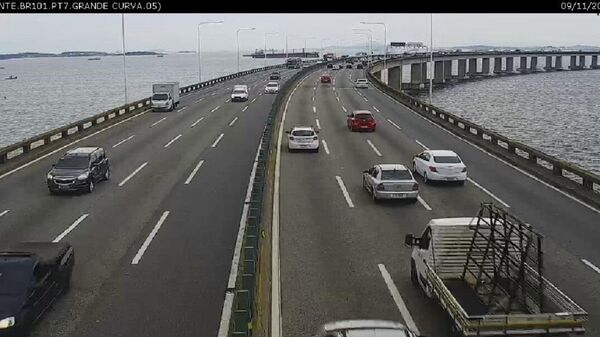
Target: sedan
[440, 165]
[390, 181]
[364, 328]
[303, 138]
[325, 78]
[361, 120]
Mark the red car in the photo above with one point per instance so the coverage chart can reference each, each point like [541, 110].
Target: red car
[361, 120]
[325, 78]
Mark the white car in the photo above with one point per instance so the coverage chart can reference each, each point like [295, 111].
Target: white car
[390, 181]
[364, 328]
[440, 165]
[362, 83]
[240, 93]
[303, 138]
[272, 88]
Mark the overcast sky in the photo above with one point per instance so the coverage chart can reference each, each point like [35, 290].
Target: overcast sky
[175, 32]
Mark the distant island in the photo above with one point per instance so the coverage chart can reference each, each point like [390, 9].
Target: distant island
[74, 54]
[186, 52]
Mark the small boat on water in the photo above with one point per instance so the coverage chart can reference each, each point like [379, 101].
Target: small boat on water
[94, 59]
[159, 55]
[11, 77]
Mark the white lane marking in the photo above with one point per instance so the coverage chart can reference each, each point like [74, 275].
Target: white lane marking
[185, 107]
[172, 140]
[422, 201]
[313, 98]
[394, 124]
[227, 88]
[374, 107]
[344, 191]
[156, 123]
[189, 179]
[314, 109]
[374, 148]
[366, 100]
[337, 98]
[233, 121]
[334, 87]
[590, 207]
[227, 101]
[196, 122]
[4, 213]
[318, 124]
[254, 100]
[198, 101]
[344, 108]
[214, 93]
[591, 265]
[422, 145]
[215, 109]
[123, 141]
[276, 328]
[325, 146]
[218, 140]
[142, 250]
[133, 174]
[245, 108]
[67, 145]
[410, 323]
[488, 192]
[72, 227]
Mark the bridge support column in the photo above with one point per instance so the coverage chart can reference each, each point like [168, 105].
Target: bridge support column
[548, 65]
[424, 78]
[558, 62]
[462, 68]
[447, 69]
[523, 64]
[573, 65]
[510, 64]
[377, 74]
[485, 66]
[472, 66]
[438, 72]
[533, 64]
[384, 75]
[594, 64]
[415, 75]
[497, 65]
[395, 78]
[581, 61]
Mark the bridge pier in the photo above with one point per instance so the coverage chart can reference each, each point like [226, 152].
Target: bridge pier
[548, 66]
[594, 64]
[533, 64]
[438, 72]
[472, 67]
[497, 65]
[510, 64]
[581, 61]
[573, 65]
[415, 75]
[395, 78]
[462, 68]
[485, 66]
[523, 65]
[447, 70]
[558, 63]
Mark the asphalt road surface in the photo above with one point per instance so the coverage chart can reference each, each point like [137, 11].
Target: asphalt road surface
[154, 243]
[343, 256]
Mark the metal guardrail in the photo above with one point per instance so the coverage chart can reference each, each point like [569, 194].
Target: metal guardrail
[587, 181]
[244, 302]
[15, 150]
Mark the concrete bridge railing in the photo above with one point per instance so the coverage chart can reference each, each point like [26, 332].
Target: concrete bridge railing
[562, 174]
[104, 119]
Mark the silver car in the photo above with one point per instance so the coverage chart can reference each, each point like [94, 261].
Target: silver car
[364, 328]
[362, 83]
[390, 181]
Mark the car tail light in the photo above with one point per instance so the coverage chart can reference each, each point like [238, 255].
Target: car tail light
[380, 187]
[415, 187]
[464, 169]
[433, 169]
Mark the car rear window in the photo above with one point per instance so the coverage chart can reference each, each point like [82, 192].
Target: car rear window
[446, 159]
[303, 133]
[361, 81]
[160, 97]
[72, 162]
[363, 116]
[15, 277]
[395, 175]
[239, 91]
[272, 85]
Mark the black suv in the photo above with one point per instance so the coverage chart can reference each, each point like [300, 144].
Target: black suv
[359, 66]
[329, 65]
[79, 170]
[275, 76]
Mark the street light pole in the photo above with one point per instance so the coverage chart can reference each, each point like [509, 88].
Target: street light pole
[200, 48]
[238, 45]
[370, 58]
[432, 71]
[384, 42]
[124, 64]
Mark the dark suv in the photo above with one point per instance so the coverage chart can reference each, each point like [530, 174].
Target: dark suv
[79, 170]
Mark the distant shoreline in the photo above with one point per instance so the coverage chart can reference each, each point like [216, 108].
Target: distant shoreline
[74, 54]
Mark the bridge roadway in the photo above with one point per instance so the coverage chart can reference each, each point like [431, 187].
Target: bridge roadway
[334, 257]
[178, 286]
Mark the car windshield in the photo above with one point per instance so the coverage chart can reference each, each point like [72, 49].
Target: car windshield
[361, 81]
[160, 97]
[239, 91]
[376, 333]
[272, 85]
[15, 277]
[363, 116]
[446, 159]
[301, 133]
[72, 162]
[395, 175]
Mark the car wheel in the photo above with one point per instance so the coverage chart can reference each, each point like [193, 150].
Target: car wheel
[461, 183]
[317, 150]
[414, 200]
[413, 273]
[290, 149]
[425, 180]
[107, 174]
[414, 169]
[91, 186]
[53, 192]
[373, 195]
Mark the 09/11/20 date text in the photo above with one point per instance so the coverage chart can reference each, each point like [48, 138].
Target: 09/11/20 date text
[580, 6]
